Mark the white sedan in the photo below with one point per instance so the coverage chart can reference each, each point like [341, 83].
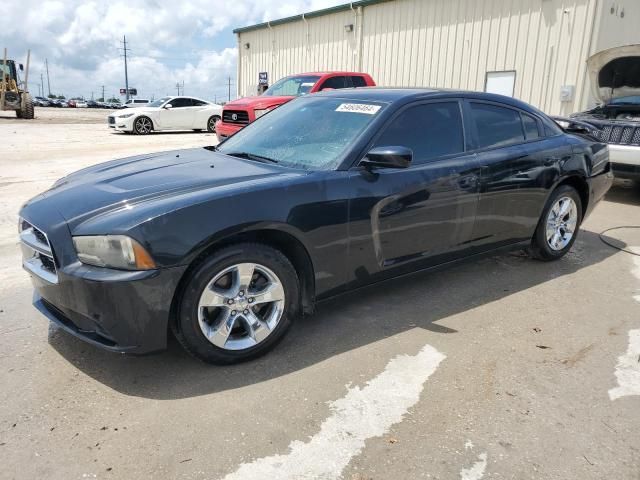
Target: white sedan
[167, 113]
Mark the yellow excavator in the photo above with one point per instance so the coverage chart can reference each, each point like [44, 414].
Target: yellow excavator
[14, 95]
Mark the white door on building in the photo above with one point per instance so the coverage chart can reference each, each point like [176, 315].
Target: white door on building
[502, 83]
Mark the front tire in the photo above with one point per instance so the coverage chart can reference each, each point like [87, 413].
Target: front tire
[26, 111]
[211, 123]
[237, 304]
[142, 125]
[558, 225]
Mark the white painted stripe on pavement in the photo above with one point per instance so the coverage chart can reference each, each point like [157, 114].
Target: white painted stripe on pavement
[476, 472]
[359, 415]
[628, 369]
[636, 269]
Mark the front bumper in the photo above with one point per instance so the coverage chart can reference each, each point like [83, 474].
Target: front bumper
[225, 130]
[120, 124]
[625, 161]
[122, 311]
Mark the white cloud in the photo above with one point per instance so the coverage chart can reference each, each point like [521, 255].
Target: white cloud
[170, 41]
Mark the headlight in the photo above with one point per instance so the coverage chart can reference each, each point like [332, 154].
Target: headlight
[126, 115]
[113, 251]
[261, 112]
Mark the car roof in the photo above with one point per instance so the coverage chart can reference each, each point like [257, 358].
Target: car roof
[405, 95]
[173, 97]
[331, 72]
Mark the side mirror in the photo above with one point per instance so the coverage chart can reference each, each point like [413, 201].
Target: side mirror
[21, 66]
[168, 106]
[387, 157]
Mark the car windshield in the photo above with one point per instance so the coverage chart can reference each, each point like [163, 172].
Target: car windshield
[159, 102]
[292, 86]
[630, 100]
[312, 133]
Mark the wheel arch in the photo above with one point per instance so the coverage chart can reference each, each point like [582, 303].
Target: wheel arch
[140, 115]
[579, 183]
[285, 242]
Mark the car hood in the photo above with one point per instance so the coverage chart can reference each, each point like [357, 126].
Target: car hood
[259, 102]
[127, 182]
[615, 72]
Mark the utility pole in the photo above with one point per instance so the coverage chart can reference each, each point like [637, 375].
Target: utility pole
[41, 84]
[103, 99]
[46, 64]
[178, 87]
[126, 75]
[229, 88]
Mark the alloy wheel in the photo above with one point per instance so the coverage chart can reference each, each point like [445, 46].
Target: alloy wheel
[212, 123]
[562, 221]
[143, 125]
[241, 306]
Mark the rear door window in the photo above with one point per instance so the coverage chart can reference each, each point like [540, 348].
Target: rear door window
[431, 130]
[496, 126]
[334, 82]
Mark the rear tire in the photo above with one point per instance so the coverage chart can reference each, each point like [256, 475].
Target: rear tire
[558, 225]
[211, 123]
[249, 288]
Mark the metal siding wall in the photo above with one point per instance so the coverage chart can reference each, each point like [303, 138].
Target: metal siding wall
[438, 43]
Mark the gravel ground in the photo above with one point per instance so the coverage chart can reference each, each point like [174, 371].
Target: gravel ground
[500, 369]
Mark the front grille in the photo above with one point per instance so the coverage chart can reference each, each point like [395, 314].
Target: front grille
[37, 254]
[238, 117]
[619, 134]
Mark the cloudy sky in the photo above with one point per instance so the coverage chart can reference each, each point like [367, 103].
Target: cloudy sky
[170, 41]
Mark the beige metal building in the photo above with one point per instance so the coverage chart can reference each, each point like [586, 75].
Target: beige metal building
[533, 49]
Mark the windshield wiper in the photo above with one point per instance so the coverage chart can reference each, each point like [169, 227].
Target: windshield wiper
[251, 156]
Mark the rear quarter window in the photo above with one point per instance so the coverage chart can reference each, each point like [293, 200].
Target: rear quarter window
[530, 124]
[358, 81]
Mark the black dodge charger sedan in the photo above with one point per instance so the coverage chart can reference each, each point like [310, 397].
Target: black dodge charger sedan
[226, 245]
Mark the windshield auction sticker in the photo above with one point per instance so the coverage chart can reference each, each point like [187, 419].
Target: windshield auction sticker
[358, 108]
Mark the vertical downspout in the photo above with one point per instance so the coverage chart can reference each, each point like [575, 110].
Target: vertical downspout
[238, 67]
[597, 12]
[360, 20]
[306, 42]
[358, 32]
[273, 50]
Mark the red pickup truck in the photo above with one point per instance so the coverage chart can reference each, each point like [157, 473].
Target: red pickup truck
[241, 112]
